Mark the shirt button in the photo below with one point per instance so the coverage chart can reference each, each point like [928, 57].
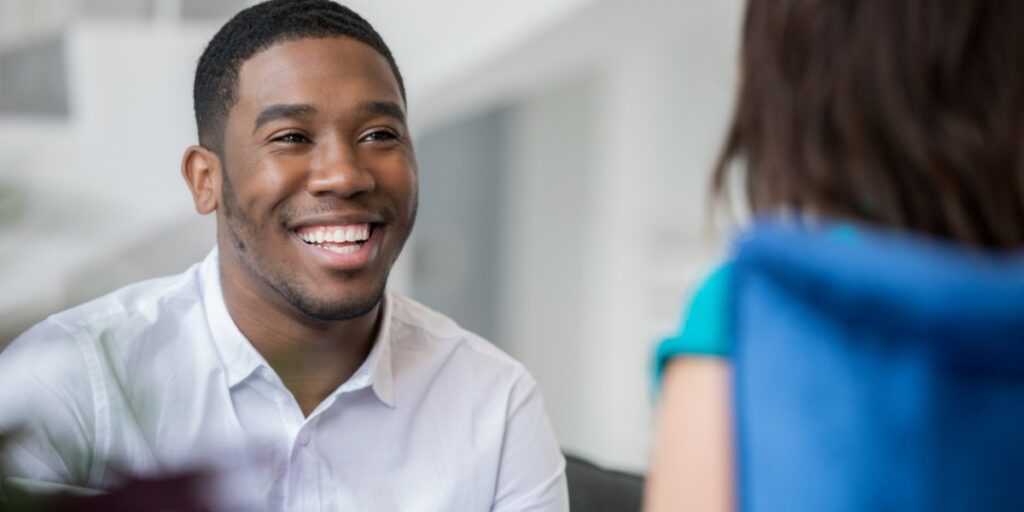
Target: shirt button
[304, 437]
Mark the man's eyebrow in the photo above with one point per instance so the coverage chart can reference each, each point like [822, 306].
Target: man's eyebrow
[383, 108]
[283, 111]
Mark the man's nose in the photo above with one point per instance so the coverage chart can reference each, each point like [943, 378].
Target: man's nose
[338, 170]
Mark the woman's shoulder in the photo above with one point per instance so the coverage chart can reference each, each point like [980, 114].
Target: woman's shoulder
[704, 329]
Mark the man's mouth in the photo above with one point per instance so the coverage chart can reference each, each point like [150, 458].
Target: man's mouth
[341, 239]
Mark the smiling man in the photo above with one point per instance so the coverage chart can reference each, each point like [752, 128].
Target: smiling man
[280, 363]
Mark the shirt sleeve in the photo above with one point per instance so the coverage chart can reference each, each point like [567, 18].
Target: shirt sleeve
[47, 415]
[531, 476]
[704, 328]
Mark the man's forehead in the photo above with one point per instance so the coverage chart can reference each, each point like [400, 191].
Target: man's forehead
[304, 70]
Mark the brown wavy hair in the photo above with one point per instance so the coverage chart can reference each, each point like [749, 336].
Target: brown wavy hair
[902, 113]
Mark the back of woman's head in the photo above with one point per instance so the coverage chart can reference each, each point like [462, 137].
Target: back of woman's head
[903, 113]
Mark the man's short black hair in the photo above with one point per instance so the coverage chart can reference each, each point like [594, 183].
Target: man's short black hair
[256, 29]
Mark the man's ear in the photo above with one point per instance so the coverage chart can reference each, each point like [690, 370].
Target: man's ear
[201, 169]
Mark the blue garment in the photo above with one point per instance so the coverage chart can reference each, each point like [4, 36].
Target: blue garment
[882, 375]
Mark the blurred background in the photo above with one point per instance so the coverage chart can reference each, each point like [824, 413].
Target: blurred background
[564, 150]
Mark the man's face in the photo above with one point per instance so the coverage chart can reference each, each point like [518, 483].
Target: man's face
[319, 187]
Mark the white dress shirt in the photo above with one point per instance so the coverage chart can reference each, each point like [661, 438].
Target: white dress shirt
[156, 379]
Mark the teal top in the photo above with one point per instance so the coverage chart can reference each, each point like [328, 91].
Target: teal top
[705, 330]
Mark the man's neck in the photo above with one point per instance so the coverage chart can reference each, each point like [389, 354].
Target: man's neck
[312, 357]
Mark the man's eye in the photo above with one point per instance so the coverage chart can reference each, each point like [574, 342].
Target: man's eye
[380, 135]
[291, 138]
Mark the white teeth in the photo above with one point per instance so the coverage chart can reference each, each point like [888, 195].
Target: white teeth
[342, 249]
[357, 233]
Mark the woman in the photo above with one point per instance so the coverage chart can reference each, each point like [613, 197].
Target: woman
[907, 115]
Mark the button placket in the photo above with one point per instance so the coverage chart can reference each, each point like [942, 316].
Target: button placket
[305, 470]
[296, 478]
[304, 436]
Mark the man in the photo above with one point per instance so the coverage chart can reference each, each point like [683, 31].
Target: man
[280, 362]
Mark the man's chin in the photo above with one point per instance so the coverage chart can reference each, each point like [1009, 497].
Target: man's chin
[324, 310]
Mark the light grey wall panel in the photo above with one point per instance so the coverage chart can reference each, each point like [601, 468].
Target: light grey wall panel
[33, 79]
[458, 237]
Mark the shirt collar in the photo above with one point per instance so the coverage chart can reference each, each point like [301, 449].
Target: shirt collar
[240, 359]
[375, 371]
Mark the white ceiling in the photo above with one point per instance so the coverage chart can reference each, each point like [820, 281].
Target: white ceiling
[436, 40]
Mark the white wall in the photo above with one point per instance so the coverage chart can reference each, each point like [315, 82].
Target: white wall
[107, 179]
[544, 276]
[619, 114]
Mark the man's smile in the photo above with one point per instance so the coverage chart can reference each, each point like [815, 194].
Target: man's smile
[341, 246]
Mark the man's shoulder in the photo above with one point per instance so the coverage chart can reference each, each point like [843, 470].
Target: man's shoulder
[120, 315]
[146, 298]
[421, 328]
